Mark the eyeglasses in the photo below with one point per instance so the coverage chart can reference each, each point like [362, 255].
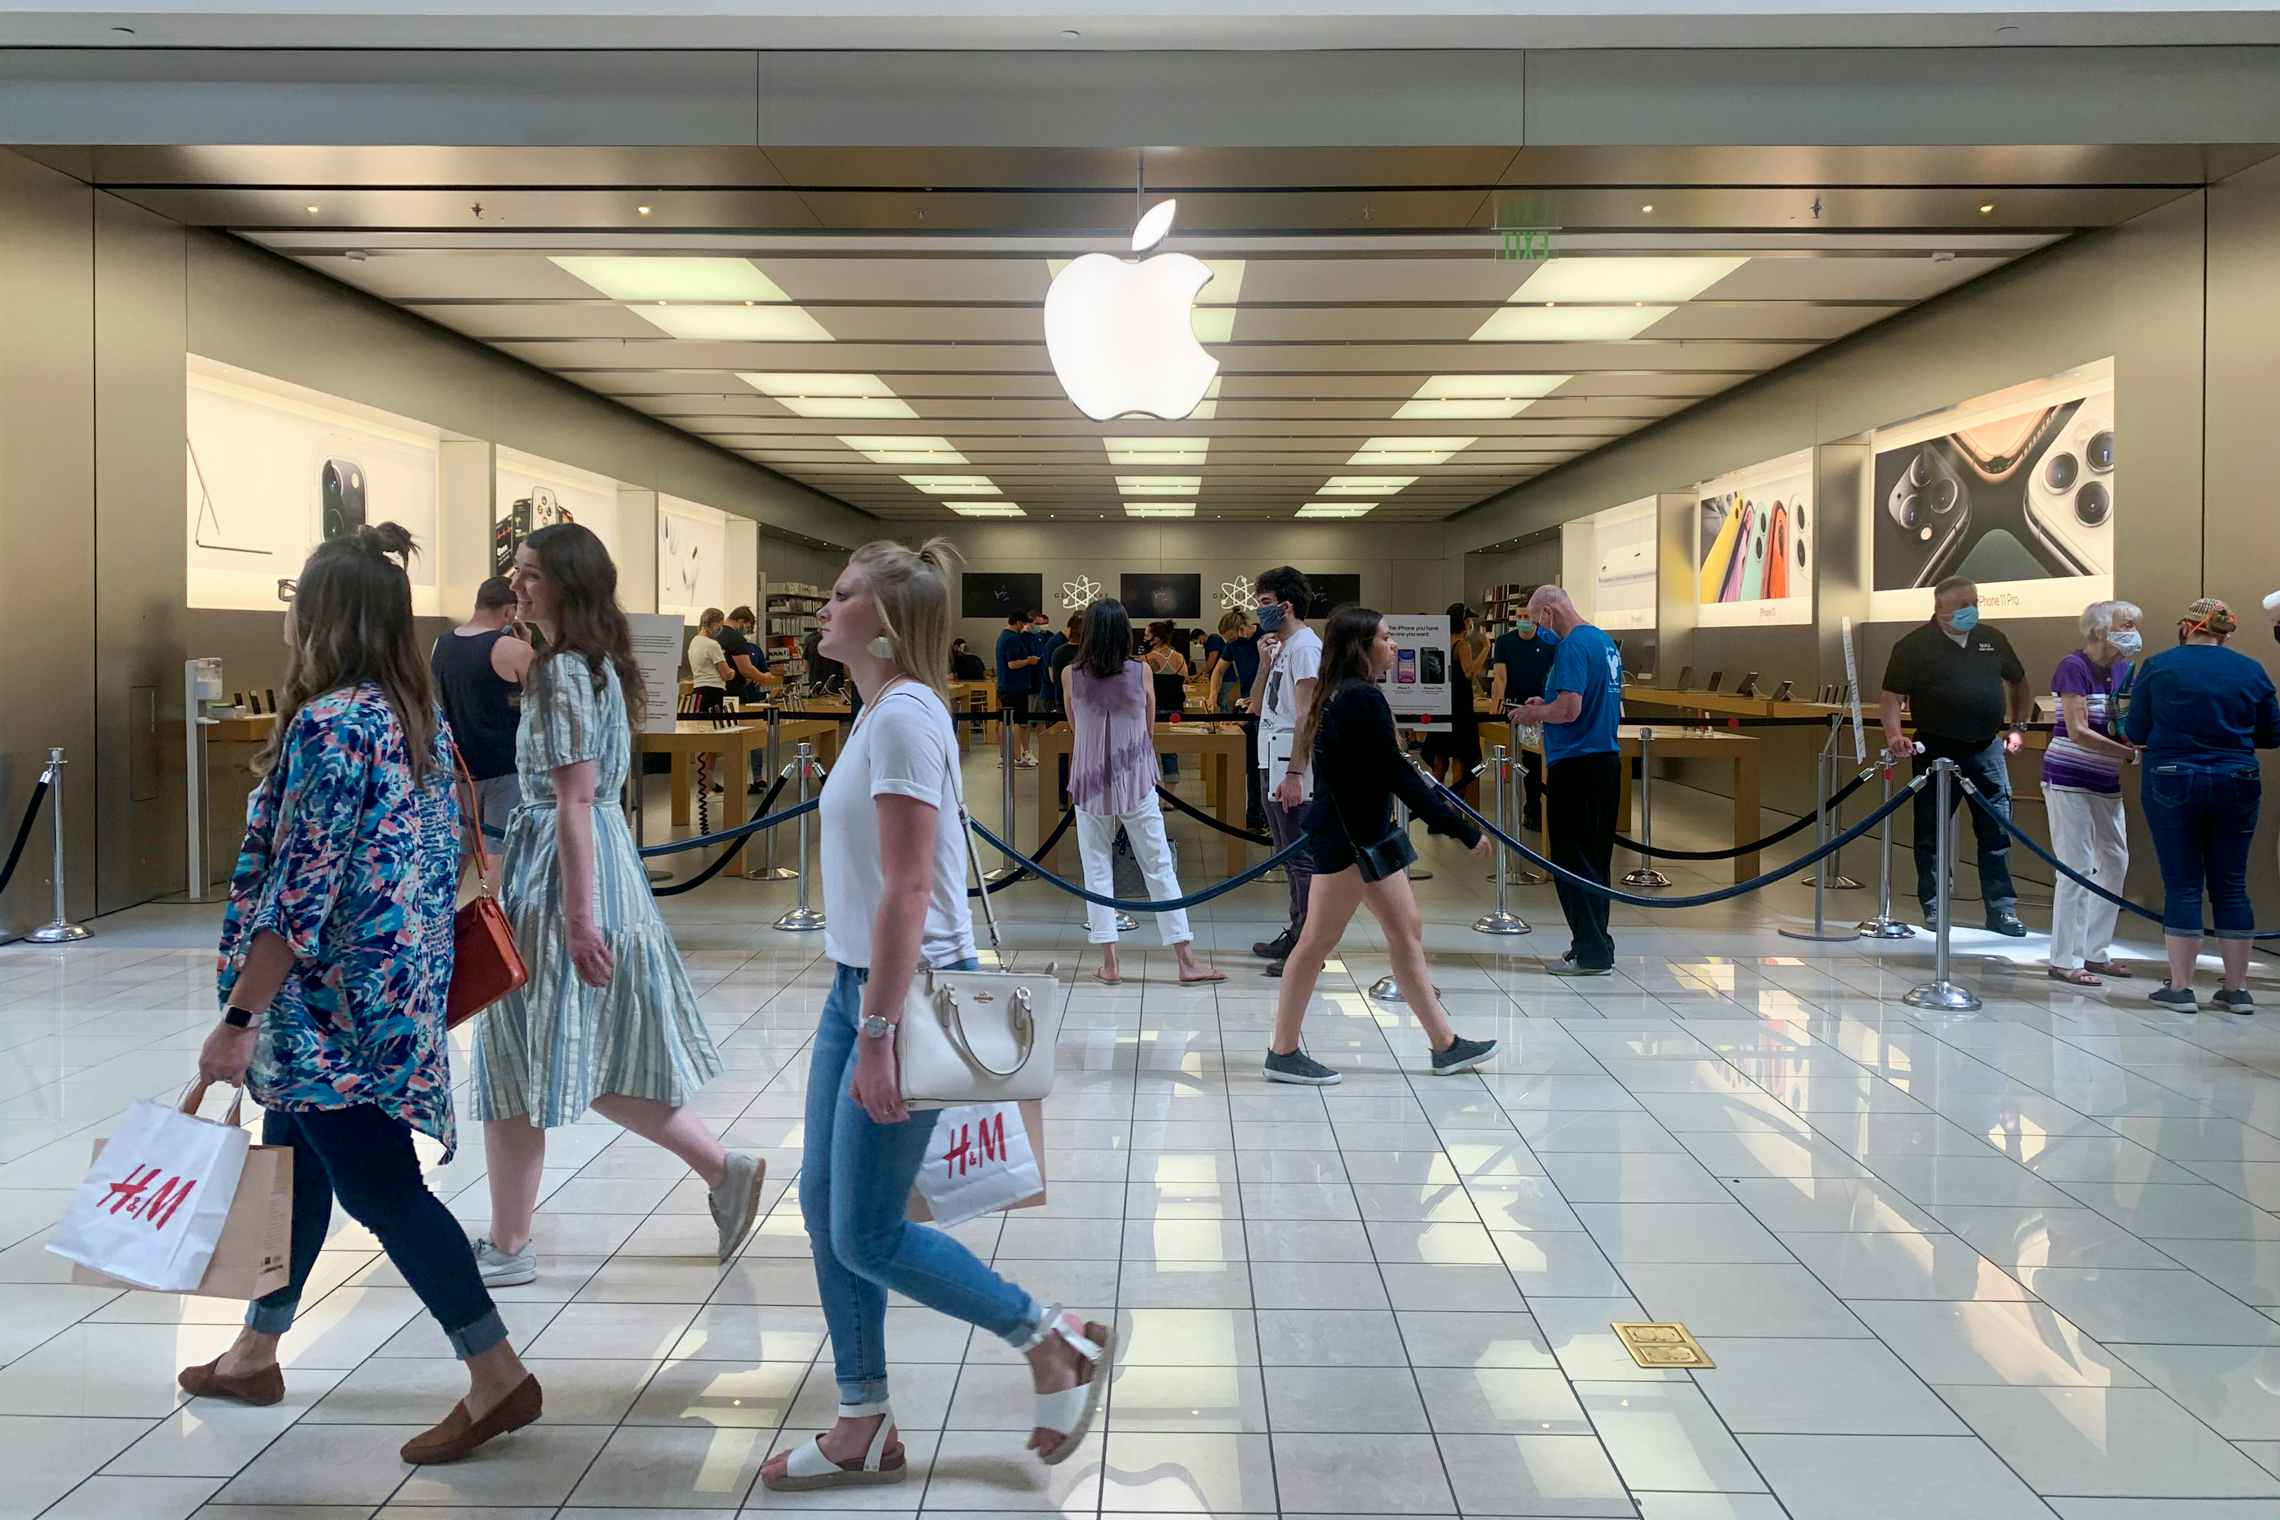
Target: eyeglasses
[287, 586]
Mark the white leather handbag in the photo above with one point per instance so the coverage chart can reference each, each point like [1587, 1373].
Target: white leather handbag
[978, 1036]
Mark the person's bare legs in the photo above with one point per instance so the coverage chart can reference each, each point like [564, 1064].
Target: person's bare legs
[2235, 954]
[1109, 970]
[1330, 904]
[2184, 950]
[514, 1155]
[1394, 904]
[676, 1129]
[1193, 970]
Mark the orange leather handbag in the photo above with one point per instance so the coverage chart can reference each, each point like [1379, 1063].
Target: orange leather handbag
[485, 964]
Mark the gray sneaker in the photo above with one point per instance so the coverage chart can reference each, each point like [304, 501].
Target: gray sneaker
[1462, 1055]
[735, 1204]
[1300, 1068]
[506, 1269]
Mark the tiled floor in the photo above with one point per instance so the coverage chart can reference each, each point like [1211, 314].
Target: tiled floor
[2022, 1262]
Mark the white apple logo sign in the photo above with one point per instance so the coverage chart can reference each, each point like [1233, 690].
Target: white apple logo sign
[1119, 330]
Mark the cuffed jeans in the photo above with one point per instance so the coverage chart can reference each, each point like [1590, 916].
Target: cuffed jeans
[1985, 767]
[2088, 832]
[855, 1180]
[1096, 838]
[364, 1158]
[2203, 819]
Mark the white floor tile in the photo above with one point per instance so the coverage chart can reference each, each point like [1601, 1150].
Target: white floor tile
[2125, 1304]
[2019, 1344]
[2112, 1442]
[1895, 1264]
[2235, 1390]
[1891, 1478]
[1720, 1299]
[1821, 1387]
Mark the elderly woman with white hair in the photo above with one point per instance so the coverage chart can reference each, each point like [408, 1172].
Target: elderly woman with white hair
[2082, 787]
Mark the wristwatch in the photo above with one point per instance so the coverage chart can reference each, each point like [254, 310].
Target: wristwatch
[876, 1028]
[237, 1018]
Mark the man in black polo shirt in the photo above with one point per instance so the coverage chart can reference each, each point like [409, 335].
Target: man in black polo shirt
[1962, 680]
[1523, 658]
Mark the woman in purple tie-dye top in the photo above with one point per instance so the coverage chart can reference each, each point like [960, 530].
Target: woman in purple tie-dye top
[1112, 781]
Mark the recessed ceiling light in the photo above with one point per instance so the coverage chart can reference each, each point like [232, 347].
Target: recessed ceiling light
[1336, 508]
[734, 324]
[644, 210]
[986, 509]
[1987, 208]
[312, 210]
[1410, 450]
[953, 485]
[1456, 397]
[1159, 509]
[1159, 485]
[1156, 451]
[672, 279]
[1648, 207]
[897, 448]
[807, 394]
[1366, 485]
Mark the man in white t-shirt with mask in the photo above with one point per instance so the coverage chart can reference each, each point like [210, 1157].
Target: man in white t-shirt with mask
[1290, 658]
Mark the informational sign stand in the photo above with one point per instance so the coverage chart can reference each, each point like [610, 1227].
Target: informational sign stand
[657, 650]
[1420, 685]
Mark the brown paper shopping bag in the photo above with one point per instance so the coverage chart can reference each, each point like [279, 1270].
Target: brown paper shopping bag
[254, 1256]
[1033, 1120]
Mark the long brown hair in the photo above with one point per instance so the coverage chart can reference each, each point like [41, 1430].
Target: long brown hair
[1107, 641]
[587, 618]
[352, 623]
[1346, 640]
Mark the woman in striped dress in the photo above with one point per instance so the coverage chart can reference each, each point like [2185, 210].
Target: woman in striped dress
[608, 1020]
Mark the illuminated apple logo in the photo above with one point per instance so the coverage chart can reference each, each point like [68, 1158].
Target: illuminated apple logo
[1120, 330]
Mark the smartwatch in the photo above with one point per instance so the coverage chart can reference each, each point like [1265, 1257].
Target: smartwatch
[237, 1018]
[876, 1028]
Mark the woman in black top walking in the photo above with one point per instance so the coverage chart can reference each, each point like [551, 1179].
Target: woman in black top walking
[1359, 853]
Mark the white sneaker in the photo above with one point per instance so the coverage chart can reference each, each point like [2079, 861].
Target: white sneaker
[506, 1269]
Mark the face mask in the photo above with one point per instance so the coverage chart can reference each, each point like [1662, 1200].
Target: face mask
[2127, 641]
[1964, 619]
[1271, 617]
[1524, 628]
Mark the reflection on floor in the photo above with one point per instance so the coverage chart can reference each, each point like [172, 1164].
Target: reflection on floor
[2018, 1262]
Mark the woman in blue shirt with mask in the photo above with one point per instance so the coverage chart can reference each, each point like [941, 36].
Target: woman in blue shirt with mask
[2201, 711]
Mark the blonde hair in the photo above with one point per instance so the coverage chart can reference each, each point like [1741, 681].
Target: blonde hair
[911, 588]
[709, 619]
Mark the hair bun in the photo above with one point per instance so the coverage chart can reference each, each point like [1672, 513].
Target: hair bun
[387, 538]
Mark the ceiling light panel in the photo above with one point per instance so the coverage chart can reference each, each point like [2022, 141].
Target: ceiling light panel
[1366, 485]
[1336, 508]
[1498, 397]
[1569, 324]
[693, 280]
[733, 324]
[1159, 485]
[828, 395]
[986, 509]
[1653, 280]
[1410, 450]
[1159, 509]
[896, 448]
[952, 485]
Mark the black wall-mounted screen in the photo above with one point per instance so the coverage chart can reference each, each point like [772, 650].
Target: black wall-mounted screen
[993, 594]
[1332, 592]
[1147, 596]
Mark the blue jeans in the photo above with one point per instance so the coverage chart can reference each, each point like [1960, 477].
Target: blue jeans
[364, 1158]
[2202, 819]
[855, 1181]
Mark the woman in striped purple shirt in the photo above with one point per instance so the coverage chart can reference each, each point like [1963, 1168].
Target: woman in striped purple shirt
[2082, 787]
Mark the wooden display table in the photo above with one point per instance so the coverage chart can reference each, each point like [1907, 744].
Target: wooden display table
[692, 737]
[1679, 744]
[1217, 746]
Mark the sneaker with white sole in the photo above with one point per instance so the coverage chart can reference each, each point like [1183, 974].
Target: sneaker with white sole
[1462, 1055]
[2180, 998]
[2234, 1000]
[506, 1269]
[735, 1204]
[1300, 1068]
[1577, 968]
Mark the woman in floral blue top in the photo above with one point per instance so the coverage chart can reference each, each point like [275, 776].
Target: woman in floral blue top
[335, 963]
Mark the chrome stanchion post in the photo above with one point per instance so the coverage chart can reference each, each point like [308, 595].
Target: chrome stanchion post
[61, 930]
[1884, 925]
[1005, 802]
[1646, 875]
[770, 871]
[1834, 867]
[1941, 992]
[799, 917]
[1502, 920]
[1821, 930]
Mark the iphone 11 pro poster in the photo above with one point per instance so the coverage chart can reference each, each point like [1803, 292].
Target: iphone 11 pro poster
[2015, 490]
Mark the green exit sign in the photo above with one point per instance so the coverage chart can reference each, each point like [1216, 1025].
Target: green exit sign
[1524, 245]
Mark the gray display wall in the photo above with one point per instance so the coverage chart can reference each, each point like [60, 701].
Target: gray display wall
[106, 300]
[2183, 300]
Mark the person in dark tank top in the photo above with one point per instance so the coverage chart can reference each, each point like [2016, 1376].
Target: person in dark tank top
[479, 668]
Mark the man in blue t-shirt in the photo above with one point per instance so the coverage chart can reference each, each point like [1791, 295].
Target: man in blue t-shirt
[1017, 663]
[1580, 710]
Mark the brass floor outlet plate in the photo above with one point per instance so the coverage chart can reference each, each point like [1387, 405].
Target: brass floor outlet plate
[1661, 1346]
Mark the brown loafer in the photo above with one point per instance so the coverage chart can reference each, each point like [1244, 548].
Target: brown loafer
[459, 1436]
[262, 1388]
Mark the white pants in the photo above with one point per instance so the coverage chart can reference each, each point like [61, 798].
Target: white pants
[1096, 837]
[2088, 833]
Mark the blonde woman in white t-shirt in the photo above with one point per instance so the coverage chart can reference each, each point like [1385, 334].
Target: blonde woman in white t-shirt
[894, 880]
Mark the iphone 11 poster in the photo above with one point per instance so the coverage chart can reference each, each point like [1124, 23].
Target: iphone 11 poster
[2014, 490]
[1417, 688]
[274, 469]
[1754, 555]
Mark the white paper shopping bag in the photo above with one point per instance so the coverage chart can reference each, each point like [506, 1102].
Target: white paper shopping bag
[980, 1160]
[152, 1207]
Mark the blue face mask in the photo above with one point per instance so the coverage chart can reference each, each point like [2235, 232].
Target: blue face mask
[1271, 617]
[1964, 619]
[2126, 641]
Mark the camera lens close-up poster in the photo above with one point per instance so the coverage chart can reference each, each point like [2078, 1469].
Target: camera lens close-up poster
[2013, 490]
[1754, 553]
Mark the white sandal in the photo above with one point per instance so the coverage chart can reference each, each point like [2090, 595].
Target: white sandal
[808, 1468]
[1070, 1411]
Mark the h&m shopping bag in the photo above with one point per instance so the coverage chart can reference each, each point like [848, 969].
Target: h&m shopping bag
[983, 1158]
[150, 1211]
[254, 1257]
